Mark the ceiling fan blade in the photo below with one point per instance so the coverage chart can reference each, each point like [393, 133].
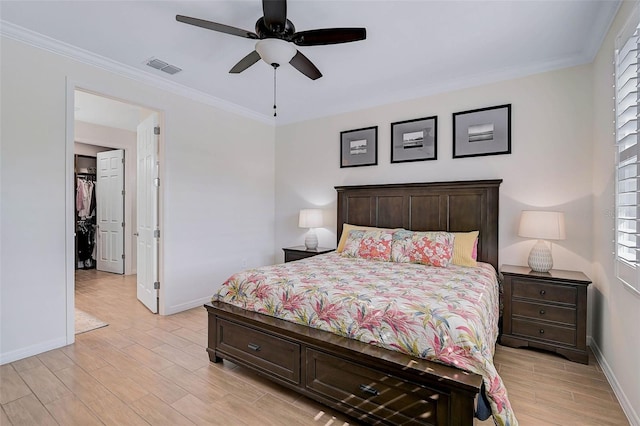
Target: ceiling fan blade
[245, 62]
[216, 27]
[329, 36]
[275, 13]
[305, 66]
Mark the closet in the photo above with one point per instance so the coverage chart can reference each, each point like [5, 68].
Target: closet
[85, 208]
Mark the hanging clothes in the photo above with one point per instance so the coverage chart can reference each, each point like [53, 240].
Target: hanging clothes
[86, 240]
[92, 202]
[86, 221]
[85, 198]
[80, 189]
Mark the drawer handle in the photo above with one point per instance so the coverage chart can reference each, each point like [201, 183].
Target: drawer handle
[541, 331]
[541, 311]
[369, 390]
[542, 292]
[253, 347]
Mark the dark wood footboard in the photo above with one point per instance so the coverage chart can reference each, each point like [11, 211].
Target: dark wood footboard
[368, 383]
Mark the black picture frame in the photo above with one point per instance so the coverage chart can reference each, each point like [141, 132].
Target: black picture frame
[480, 132]
[414, 140]
[359, 147]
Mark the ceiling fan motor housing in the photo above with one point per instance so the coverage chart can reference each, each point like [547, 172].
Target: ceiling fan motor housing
[275, 31]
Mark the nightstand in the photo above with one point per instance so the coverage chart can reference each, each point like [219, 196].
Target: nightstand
[546, 310]
[301, 252]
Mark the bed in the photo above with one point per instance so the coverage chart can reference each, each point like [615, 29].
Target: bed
[368, 381]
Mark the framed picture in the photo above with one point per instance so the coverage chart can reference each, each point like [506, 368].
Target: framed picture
[485, 131]
[359, 147]
[414, 140]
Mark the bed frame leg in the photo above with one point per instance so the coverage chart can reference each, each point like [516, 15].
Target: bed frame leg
[211, 336]
[213, 357]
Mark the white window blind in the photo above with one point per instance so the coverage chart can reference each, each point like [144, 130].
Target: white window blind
[627, 77]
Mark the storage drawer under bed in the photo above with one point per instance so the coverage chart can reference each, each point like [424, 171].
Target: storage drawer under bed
[276, 357]
[391, 399]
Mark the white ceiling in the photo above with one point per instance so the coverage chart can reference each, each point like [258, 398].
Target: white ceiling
[413, 48]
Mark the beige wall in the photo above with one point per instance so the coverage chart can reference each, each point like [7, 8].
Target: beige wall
[549, 167]
[217, 194]
[615, 310]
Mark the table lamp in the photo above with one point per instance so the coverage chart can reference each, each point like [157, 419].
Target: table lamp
[310, 218]
[542, 225]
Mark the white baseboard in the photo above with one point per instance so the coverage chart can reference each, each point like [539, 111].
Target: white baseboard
[18, 354]
[187, 305]
[629, 410]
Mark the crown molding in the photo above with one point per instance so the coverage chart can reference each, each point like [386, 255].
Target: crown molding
[32, 38]
[605, 17]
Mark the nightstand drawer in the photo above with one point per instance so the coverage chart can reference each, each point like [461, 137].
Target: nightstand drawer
[548, 292]
[300, 252]
[293, 256]
[278, 357]
[386, 397]
[542, 331]
[541, 311]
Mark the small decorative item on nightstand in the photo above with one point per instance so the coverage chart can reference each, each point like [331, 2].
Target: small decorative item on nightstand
[546, 310]
[301, 252]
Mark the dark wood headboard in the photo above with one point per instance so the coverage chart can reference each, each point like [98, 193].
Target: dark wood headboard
[435, 206]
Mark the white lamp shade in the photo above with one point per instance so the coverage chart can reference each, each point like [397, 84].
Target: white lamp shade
[275, 51]
[310, 218]
[542, 225]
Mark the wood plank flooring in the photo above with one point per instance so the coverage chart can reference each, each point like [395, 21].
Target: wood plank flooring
[148, 369]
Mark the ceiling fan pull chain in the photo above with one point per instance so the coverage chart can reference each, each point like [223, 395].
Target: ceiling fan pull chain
[275, 68]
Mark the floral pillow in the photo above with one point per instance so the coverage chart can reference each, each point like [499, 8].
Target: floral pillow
[427, 248]
[374, 245]
[346, 228]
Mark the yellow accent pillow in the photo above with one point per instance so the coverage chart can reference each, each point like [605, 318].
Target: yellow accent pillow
[464, 246]
[345, 231]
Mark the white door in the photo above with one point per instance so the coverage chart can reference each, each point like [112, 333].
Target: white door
[147, 212]
[110, 211]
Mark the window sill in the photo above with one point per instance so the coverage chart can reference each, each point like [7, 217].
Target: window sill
[630, 288]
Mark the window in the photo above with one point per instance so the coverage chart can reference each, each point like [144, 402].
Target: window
[627, 240]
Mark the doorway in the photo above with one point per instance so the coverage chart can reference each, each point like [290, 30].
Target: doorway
[100, 206]
[108, 129]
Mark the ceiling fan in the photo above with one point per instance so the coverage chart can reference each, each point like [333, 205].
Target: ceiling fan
[277, 39]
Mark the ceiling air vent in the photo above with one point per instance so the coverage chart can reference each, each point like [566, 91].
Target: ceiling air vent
[163, 66]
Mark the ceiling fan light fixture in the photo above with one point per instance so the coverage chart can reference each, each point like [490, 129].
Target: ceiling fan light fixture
[275, 51]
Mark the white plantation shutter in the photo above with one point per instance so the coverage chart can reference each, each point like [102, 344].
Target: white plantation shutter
[627, 77]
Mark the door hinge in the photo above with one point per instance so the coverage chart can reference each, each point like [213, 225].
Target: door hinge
[156, 182]
[123, 224]
[123, 255]
[123, 192]
[123, 161]
[156, 233]
[156, 285]
[156, 130]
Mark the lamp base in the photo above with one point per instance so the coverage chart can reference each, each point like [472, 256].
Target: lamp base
[311, 240]
[540, 259]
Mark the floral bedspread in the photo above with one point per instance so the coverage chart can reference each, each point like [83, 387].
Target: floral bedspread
[449, 315]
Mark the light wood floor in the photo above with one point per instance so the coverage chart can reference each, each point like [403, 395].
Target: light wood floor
[149, 369]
